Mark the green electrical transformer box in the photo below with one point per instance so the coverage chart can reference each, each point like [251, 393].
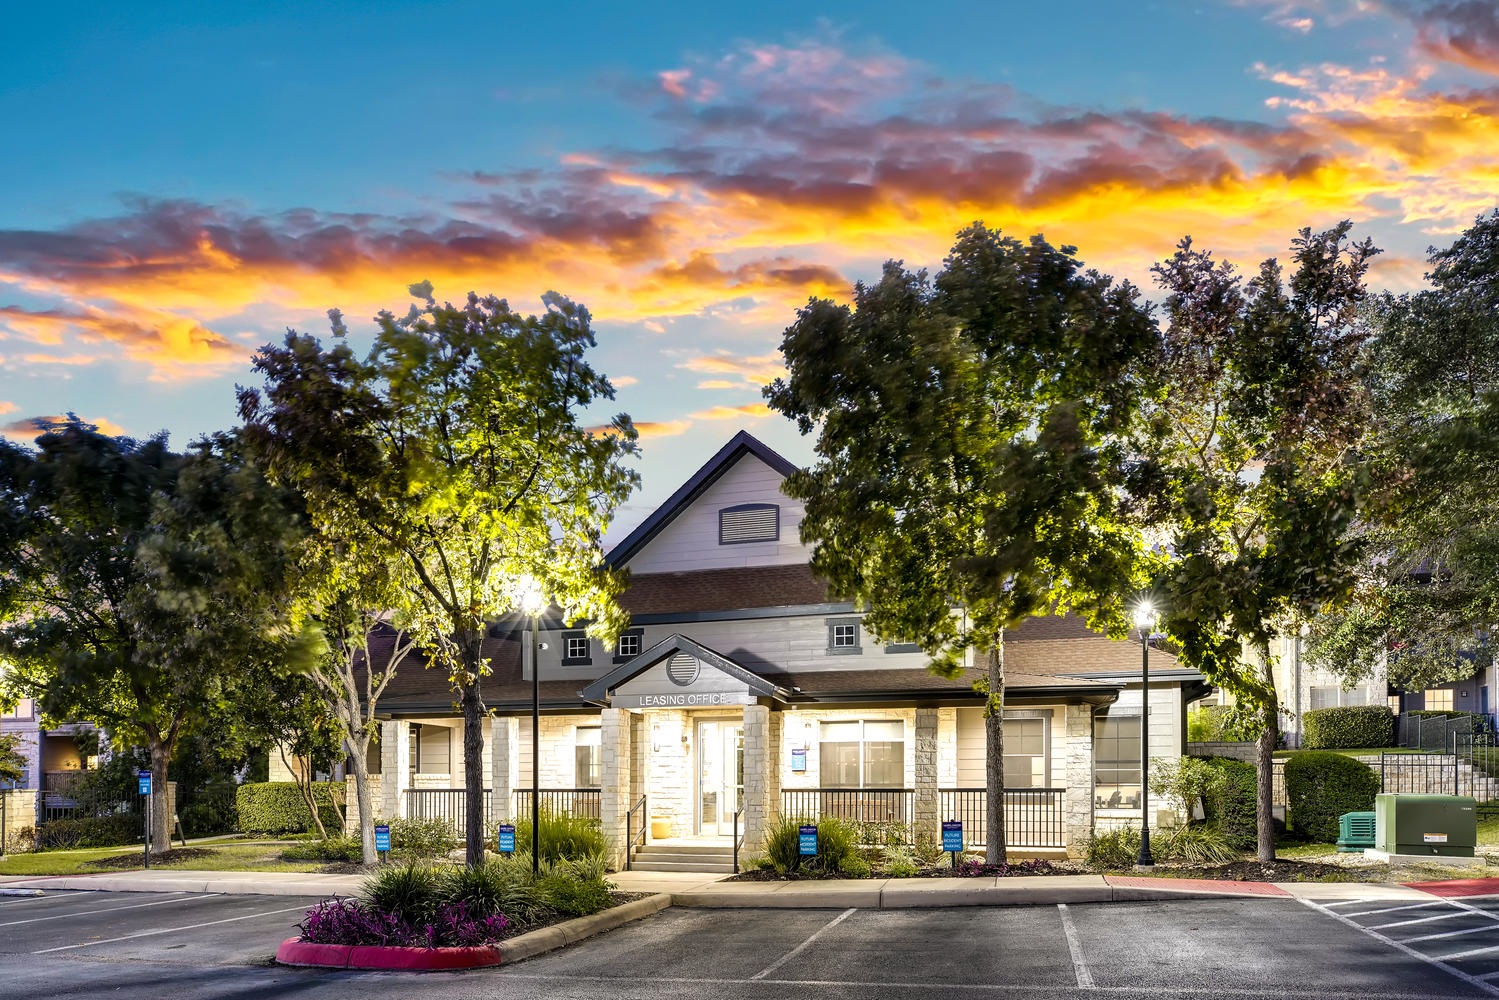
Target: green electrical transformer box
[1435, 825]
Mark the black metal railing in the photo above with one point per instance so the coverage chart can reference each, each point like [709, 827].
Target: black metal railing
[450, 804]
[584, 802]
[1033, 816]
[635, 830]
[875, 809]
[738, 839]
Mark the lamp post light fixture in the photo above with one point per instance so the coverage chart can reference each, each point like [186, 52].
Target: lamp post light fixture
[1144, 619]
[532, 602]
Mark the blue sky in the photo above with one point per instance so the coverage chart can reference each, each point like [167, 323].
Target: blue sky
[185, 181]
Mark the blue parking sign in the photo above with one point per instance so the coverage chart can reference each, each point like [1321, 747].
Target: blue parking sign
[382, 838]
[145, 782]
[507, 838]
[952, 835]
[806, 839]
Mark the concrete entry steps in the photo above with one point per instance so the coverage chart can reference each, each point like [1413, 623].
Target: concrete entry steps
[666, 856]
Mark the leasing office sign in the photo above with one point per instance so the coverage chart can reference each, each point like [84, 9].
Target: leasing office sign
[671, 684]
[682, 700]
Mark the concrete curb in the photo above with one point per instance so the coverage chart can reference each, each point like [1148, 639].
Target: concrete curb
[195, 882]
[958, 896]
[522, 946]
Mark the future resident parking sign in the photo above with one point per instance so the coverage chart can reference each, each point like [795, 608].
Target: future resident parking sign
[145, 782]
[806, 839]
[952, 835]
[507, 838]
[382, 839]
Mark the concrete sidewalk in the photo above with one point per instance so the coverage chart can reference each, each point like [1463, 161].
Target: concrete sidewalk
[702, 890]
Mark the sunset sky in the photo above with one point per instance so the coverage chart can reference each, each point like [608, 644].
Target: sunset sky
[182, 183]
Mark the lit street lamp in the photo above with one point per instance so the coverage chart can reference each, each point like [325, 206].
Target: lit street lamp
[532, 602]
[1144, 618]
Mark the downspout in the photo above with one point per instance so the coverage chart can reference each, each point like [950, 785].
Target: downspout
[1298, 686]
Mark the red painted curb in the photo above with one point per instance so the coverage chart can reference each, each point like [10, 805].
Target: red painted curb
[343, 956]
[1458, 887]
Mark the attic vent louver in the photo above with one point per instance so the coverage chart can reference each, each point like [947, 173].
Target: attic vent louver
[750, 522]
[682, 669]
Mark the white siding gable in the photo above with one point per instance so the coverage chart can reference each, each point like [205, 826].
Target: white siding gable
[690, 541]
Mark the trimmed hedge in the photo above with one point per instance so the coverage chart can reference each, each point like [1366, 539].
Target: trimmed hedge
[1232, 807]
[1352, 727]
[1321, 786]
[90, 831]
[277, 807]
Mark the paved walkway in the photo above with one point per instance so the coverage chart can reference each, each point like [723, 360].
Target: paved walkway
[688, 889]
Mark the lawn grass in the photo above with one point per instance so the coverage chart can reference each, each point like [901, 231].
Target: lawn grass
[1283, 754]
[227, 857]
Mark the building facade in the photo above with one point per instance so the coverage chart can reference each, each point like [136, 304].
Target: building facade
[744, 691]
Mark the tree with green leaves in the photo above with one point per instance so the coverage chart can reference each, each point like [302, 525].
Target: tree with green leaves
[13, 762]
[138, 587]
[969, 455]
[457, 445]
[1251, 466]
[1428, 599]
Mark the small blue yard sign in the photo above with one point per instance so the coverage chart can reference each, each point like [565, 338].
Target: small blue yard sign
[952, 835]
[382, 838]
[507, 838]
[145, 782]
[798, 760]
[807, 839]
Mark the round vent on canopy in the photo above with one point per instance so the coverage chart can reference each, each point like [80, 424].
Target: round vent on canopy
[682, 669]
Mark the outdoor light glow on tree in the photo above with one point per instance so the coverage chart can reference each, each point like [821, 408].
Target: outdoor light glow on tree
[458, 447]
[968, 434]
[1251, 462]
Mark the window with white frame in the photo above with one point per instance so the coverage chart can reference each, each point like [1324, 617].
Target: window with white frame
[1116, 761]
[1438, 700]
[1025, 754]
[862, 754]
[1324, 696]
[843, 636]
[629, 644]
[431, 749]
[586, 757]
[575, 649]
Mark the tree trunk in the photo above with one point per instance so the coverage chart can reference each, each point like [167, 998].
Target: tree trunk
[994, 758]
[473, 758]
[358, 747]
[161, 814]
[303, 780]
[1265, 763]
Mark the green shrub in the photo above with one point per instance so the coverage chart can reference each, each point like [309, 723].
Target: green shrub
[855, 866]
[898, 862]
[928, 851]
[783, 845]
[1113, 849]
[413, 891]
[421, 839]
[90, 831]
[572, 896]
[1352, 727]
[835, 841]
[1220, 724]
[1198, 844]
[563, 836]
[274, 807]
[1231, 808]
[1185, 781]
[332, 849]
[1322, 786]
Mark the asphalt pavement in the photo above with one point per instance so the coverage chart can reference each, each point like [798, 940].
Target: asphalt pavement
[185, 946]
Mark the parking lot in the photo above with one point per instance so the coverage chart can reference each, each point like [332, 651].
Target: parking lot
[187, 946]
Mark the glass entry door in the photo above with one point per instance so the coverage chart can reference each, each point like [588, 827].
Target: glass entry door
[720, 776]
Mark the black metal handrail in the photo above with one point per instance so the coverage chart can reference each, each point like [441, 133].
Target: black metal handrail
[630, 835]
[738, 839]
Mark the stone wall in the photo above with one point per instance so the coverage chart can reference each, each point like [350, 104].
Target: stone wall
[1237, 750]
[20, 814]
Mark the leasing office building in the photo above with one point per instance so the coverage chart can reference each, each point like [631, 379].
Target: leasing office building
[744, 687]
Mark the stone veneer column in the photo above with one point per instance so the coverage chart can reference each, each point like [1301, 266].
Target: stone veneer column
[614, 782]
[1077, 794]
[776, 759]
[395, 768]
[927, 800]
[757, 764]
[504, 767]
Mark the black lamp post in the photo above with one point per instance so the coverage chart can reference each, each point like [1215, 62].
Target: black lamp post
[535, 746]
[1144, 617]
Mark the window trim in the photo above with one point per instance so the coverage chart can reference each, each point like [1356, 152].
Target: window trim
[863, 762]
[1450, 697]
[599, 753]
[902, 647]
[621, 657]
[775, 537]
[857, 648]
[1045, 715]
[576, 661]
[1093, 736]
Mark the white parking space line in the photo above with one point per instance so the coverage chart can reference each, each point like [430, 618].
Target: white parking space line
[1452, 970]
[1075, 948]
[1419, 920]
[840, 918]
[171, 930]
[1449, 934]
[177, 898]
[1395, 909]
[1470, 953]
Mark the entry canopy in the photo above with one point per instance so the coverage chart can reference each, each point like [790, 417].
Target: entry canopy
[680, 673]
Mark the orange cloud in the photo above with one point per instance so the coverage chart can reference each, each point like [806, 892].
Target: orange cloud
[29, 429]
[755, 370]
[161, 339]
[662, 428]
[751, 410]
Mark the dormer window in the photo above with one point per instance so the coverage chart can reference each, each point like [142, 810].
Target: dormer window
[575, 649]
[628, 646]
[749, 522]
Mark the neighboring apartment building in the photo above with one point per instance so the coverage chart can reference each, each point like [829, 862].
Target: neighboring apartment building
[743, 686]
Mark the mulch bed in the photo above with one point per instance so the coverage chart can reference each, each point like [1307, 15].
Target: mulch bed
[179, 856]
[1262, 871]
[966, 869]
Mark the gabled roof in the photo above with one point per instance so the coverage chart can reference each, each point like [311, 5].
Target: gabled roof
[598, 691]
[739, 445]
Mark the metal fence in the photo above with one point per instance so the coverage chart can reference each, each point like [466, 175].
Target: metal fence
[1469, 767]
[1033, 816]
[450, 804]
[873, 807]
[584, 802]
